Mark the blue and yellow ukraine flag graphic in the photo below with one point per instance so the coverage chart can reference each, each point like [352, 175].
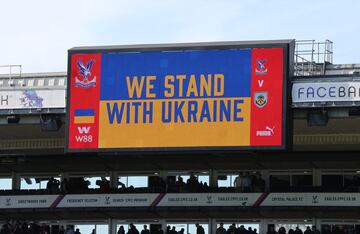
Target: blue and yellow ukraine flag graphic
[84, 116]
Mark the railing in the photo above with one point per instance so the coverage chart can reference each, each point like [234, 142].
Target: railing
[354, 188]
[11, 71]
[311, 57]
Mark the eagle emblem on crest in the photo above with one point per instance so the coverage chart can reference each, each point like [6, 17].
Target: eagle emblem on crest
[261, 67]
[84, 72]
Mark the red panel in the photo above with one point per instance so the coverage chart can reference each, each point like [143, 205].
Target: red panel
[85, 94]
[267, 97]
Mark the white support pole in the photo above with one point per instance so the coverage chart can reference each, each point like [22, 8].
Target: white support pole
[163, 224]
[211, 226]
[317, 223]
[263, 226]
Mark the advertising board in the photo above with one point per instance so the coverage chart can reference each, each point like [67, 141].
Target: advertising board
[226, 96]
[181, 200]
[335, 91]
[107, 200]
[312, 199]
[31, 99]
[27, 201]
[209, 199]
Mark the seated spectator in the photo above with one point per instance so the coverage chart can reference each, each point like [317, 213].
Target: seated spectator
[56, 186]
[246, 183]
[238, 182]
[69, 230]
[6, 228]
[258, 183]
[85, 184]
[159, 230]
[45, 229]
[205, 187]
[121, 230]
[49, 185]
[104, 185]
[192, 183]
[162, 184]
[298, 231]
[199, 229]
[308, 230]
[271, 230]
[232, 229]
[145, 230]
[64, 186]
[16, 227]
[52, 186]
[170, 184]
[249, 231]
[156, 184]
[314, 230]
[130, 189]
[62, 230]
[173, 230]
[282, 230]
[180, 184]
[132, 229]
[242, 230]
[221, 229]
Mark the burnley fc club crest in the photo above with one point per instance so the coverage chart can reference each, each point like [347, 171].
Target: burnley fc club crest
[84, 71]
[260, 99]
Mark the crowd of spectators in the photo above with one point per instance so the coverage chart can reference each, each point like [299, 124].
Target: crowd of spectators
[339, 230]
[75, 185]
[133, 230]
[178, 185]
[244, 182]
[297, 230]
[18, 227]
[23, 227]
[235, 230]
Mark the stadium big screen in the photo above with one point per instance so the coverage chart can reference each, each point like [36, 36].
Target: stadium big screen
[205, 96]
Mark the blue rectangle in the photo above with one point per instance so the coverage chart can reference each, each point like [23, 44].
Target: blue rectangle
[84, 112]
[235, 65]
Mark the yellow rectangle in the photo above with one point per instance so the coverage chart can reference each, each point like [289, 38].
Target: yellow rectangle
[84, 119]
[173, 134]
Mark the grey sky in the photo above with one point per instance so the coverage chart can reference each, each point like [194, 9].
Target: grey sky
[37, 34]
